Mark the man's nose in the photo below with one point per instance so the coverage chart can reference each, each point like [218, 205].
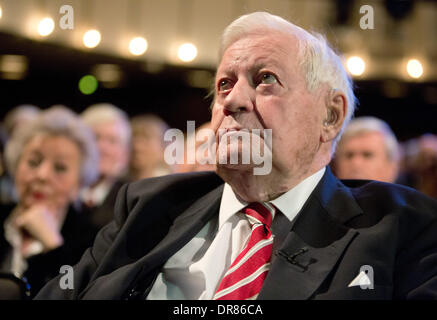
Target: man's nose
[240, 99]
[357, 161]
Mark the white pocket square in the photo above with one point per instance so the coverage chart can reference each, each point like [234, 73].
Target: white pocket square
[362, 279]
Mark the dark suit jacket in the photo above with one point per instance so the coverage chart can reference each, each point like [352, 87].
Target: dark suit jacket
[391, 228]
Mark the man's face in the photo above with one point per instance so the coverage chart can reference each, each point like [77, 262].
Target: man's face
[364, 156]
[114, 153]
[260, 85]
[147, 148]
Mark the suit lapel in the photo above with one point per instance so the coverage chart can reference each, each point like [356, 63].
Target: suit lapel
[185, 227]
[137, 276]
[315, 243]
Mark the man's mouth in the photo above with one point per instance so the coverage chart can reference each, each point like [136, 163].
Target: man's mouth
[236, 130]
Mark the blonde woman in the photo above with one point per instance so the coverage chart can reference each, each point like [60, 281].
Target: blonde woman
[51, 159]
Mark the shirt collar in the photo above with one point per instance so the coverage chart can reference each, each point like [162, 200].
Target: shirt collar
[293, 200]
[229, 205]
[289, 203]
[98, 193]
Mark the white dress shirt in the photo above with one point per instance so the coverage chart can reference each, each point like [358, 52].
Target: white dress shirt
[196, 270]
[94, 196]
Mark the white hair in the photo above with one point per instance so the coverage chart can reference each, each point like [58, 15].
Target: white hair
[143, 123]
[320, 64]
[364, 125]
[18, 115]
[102, 113]
[57, 120]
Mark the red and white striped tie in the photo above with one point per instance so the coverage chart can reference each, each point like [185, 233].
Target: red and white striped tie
[246, 275]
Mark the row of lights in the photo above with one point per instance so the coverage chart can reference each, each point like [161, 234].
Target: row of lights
[187, 52]
[356, 66]
[137, 46]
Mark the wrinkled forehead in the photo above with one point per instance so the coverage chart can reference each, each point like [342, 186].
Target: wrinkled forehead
[261, 47]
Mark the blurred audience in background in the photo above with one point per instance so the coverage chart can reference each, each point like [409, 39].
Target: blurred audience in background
[8, 193]
[18, 117]
[113, 134]
[68, 169]
[420, 164]
[368, 150]
[50, 158]
[148, 145]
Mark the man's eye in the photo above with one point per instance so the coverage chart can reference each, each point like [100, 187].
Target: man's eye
[348, 155]
[268, 78]
[224, 85]
[367, 155]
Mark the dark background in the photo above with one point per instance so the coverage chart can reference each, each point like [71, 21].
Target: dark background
[54, 72]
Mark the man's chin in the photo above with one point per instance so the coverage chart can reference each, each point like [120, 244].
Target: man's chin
[243, 167]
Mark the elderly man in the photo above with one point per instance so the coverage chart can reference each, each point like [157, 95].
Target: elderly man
[367, 150]
[294, 233]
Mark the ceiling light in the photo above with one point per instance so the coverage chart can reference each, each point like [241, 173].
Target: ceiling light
[91, 38]
[187, 52]
[138, 46]
[356, 65]
[414, 68]
[46, 26]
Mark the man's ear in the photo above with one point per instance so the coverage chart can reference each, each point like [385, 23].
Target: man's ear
[336, 108]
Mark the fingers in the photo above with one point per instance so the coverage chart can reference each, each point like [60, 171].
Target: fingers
[41, 224]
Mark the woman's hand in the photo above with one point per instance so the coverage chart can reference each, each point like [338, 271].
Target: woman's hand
[39, 221]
